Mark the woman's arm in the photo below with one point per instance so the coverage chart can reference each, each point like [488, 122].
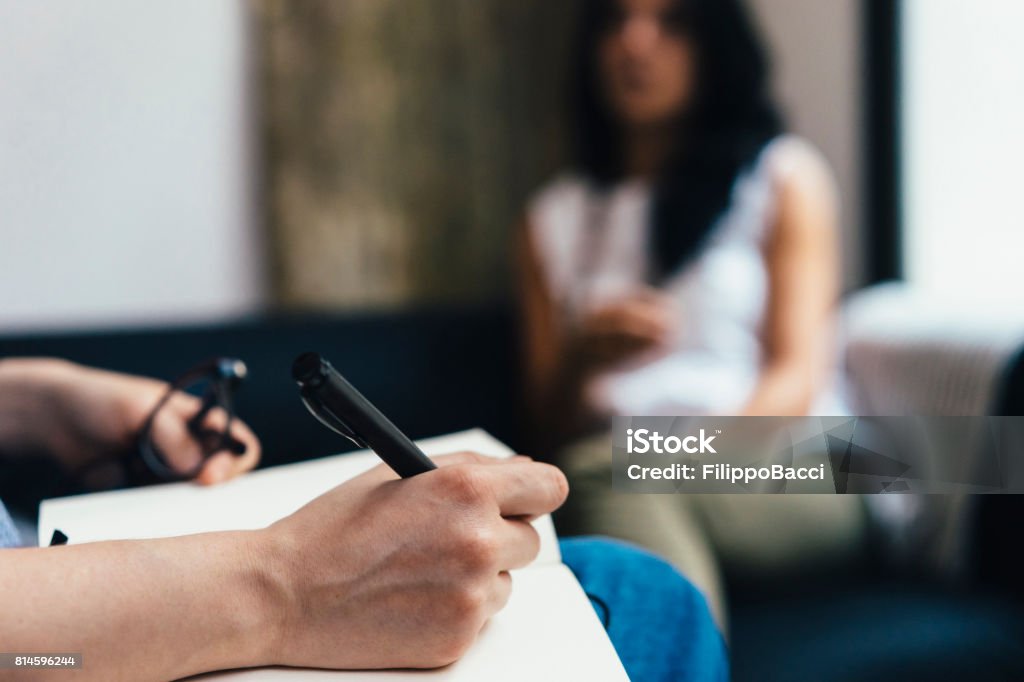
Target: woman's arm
[553, 375]
[803, 265]
[562, 355]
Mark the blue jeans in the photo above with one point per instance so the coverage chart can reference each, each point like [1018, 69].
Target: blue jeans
[659, 623]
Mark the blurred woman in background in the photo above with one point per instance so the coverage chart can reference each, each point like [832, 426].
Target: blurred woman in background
[688, 265]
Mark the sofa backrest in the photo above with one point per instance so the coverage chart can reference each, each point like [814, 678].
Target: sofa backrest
[431, 371]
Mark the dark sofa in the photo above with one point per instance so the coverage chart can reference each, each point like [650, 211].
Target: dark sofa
[441, 370]
[431, 371]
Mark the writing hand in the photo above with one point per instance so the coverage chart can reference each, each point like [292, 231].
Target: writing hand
[384, 572]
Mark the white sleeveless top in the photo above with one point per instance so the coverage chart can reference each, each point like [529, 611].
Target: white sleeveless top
[594, 248]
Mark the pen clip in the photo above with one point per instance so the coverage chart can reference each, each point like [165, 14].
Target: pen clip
[331, 420]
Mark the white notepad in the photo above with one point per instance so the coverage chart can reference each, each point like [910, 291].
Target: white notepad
[548, 630]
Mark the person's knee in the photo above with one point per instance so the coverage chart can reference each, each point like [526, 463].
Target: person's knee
[625, 570]
[659, 622]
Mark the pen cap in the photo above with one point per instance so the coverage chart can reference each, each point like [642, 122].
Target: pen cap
[340, 407]
[310, 369]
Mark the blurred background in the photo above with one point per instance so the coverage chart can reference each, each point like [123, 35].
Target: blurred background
[257, 178]
[228, 157]
[365, 154]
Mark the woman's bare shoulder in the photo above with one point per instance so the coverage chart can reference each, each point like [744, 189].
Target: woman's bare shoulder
[806, 193]
[797, 166]
[562, 193]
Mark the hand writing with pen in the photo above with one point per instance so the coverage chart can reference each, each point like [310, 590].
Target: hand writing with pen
[351, 580]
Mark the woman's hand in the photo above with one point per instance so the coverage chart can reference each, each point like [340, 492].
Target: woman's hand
[384, 573]
[81, 416]
[644, 323]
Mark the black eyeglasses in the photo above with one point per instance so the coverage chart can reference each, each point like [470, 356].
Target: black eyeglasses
[215, 382]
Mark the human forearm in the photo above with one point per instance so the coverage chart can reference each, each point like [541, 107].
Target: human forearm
[80, 416]
[351, 580]
[629, 333]
[557, 402]
[25, 401]
[140, 610]
[784, 389]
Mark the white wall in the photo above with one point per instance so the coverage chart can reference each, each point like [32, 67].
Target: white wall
[963, 149]
[126, 174]
[817, 50]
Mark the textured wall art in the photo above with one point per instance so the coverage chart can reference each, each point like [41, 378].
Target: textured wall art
[401, 140]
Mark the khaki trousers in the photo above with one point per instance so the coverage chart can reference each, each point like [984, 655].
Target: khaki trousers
[755, 535]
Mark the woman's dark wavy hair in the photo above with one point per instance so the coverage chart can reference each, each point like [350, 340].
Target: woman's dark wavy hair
[732, 117]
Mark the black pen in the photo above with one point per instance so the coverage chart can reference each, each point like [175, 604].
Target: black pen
[344, 410]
